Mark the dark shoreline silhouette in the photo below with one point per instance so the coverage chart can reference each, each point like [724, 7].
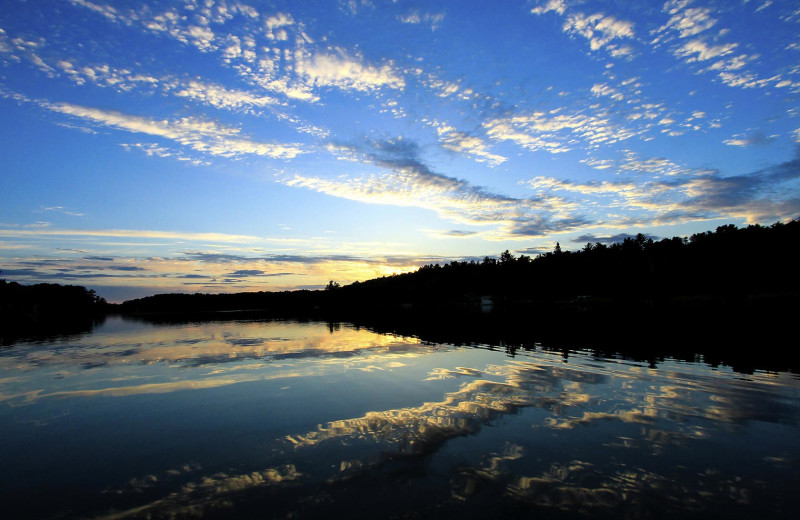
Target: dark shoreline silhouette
[46, 310]
[740, 271]
[720, 294]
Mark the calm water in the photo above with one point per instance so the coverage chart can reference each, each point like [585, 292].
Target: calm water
[259, 419]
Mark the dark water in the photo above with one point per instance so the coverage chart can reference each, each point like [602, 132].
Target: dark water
[250, 419]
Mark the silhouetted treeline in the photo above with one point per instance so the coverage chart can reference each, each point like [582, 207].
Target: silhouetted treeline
[27, 310]
[751, 266]
[728, 264]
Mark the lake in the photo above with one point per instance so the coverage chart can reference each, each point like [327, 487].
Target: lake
[277, 419]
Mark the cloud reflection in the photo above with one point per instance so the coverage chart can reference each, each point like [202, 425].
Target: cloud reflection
[582, 435]
[193, 356]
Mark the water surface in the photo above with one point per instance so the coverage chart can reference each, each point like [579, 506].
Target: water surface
[259, 419]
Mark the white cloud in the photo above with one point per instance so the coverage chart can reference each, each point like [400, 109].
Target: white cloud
[105, 10]
[747, 80]
[198, 134]
[336, 68]
[588, 188]
[763, 6]
[698, 50]
[414, 17]
[247, 10]
[130, 233]
[155, 150]
[556, 6]
[278, 21]
[474, 146]
[690, 21]
[600, 89]
[598, 28]
[556, 133]
[65, 211]
[221, 97]
[410, 183]
[598, 164]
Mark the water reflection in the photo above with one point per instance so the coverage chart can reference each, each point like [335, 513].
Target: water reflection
[235, 417]
[219, 354]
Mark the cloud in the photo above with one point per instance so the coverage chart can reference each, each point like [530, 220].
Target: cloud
[62, 209]
[699, 50]
[615, 239]
[455, 233]
[414, 17]
[411, 183]
[555, 132]
[155, 150]
[254, 272]
[198, 134]
[105, 10]
[755, 139]
[295, 73]
[760, 196]
[125, 80]
[122, 268]
[62, 274]
[673, 195]
[598, 28]
[556, 6]
[466, 144]
[587, 188]
[531, 251]
[221, 97]
[600, 89]
[688, 22]
[130, 233]
[335, 68]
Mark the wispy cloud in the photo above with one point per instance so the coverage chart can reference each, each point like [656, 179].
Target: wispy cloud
[555, 132]
[198, 134]
[598, 28]
[755, 139]
[415, 17]
[687, 22]
[63, 210]
[130, 233]
[613, 239]
[467, 144]
[679, 196]
[411, 183]
[703, 46]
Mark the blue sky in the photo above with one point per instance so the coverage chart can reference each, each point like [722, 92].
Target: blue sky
[219, 146]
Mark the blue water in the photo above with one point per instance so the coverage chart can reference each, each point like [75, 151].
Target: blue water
[257, 419]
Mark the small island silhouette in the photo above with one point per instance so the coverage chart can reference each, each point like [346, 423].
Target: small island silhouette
[724, 290]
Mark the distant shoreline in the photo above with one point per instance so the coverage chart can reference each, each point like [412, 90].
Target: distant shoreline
[722, 292]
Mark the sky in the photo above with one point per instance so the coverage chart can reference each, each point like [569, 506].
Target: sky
[224, 146]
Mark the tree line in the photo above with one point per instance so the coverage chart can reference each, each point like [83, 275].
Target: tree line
[728, 263]
[731, 264]
[47, 307]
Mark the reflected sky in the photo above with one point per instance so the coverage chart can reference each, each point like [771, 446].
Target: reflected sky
[112, 360]
[211, 419]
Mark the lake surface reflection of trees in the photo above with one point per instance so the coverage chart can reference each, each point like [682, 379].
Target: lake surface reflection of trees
[278, 419]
